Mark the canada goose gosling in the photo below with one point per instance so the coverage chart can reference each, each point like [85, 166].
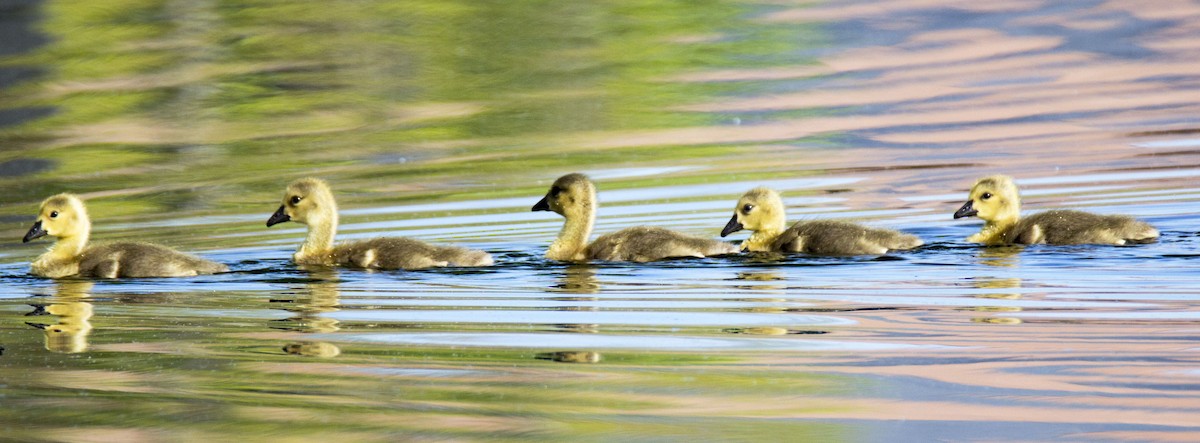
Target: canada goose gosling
[65, 217]
[573, 196]
[310, 202]
[996, 200]
[761, 210]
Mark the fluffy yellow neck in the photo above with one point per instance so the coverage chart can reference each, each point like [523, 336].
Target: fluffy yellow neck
[318, 245]
[572, 239]
[760, 241]
[62, 259]
[768, 230]
[993, 231]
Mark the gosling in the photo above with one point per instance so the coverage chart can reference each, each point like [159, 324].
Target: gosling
[64, 216]
[995, 200]
[761, 210]
[573, 196]
[310, 202]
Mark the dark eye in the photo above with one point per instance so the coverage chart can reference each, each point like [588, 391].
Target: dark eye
[296, 199]
[53, 214]
[554, 191]
[746, 209]
[986, 195]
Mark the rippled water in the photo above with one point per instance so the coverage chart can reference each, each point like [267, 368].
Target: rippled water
[180, 122]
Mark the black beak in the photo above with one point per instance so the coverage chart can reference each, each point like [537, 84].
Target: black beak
[542, 205]
[966, 210]
[34, 232]
[732, 226]
[278, 217]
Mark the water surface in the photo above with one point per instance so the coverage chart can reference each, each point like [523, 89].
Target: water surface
[180, 123]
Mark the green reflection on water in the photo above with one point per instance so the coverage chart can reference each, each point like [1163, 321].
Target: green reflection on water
[452, 97]
[182, 109]
[225, 378]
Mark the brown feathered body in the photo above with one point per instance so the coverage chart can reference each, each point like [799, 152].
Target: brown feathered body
[135, 259]
[398, 253]
[836, 237]
[1065, 227]
[649, 243]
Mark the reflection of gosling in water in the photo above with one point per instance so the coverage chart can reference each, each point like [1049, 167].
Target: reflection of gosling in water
[579, 279]
[310, 202]
[64, 216]
[998, 283]
[323, 297]
[995, 200]
[570, 356]
[69, 335]
[573, 196]
[762, 211]
[997, 320]
[313, 349]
